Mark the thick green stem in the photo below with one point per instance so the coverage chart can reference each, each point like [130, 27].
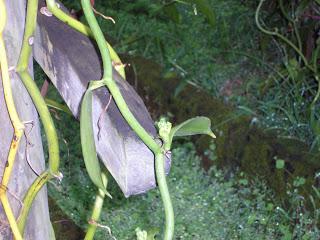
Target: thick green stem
[75, 24]
[53, 146]
[165, 195]
[96, 210]
[48, 125]
[133, 123]
[129, 117]
[107, 78]
[22, 69]
[30, 196]
[99, 37]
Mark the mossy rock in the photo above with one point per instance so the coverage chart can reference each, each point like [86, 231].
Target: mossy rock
[239, 143]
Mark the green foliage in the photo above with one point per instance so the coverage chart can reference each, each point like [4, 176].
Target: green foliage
[190, 127]
[205, 8]
[193, 126]
[232, 60]
[291, 93]
[207, 206]
[280, 163]
[193, 49]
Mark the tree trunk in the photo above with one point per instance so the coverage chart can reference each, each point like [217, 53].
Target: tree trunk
[38, 224]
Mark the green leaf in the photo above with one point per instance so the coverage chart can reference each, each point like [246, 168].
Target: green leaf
[87, 142]
[270, 207]
[58, 106]
[141, 234]
[243, 181]
[246, 110]
[279, 164]
[318, 2]
[152, 233]
[193, 126]
[204, 7]
[299, 181]
[172, 12]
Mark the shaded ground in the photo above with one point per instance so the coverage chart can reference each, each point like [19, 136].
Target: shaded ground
[240, 141]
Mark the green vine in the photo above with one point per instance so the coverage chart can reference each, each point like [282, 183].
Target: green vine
[276, 33]
[54, 8]
[133, 123]
[298, 49]
[96, 210]
[198, 125]
[17, 126]
[165, 195]
[49, 128]
[22, 70]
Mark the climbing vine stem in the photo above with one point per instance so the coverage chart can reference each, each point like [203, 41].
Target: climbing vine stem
[32, 192]
[22, 70]
[165, 195]
[110, 83]
[129, 117]
[277, 34]
[50, 131]
[54, 8]
[95, 216]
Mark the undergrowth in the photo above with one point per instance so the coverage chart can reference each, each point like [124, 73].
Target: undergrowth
[207, 205]
[226, 61]
[231, 59]
[199, 53]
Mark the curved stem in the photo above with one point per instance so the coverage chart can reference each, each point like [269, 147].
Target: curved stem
[22, 69]
[80, 27]
[112, 86]
[130, 118]
[293, 22]
[133, 123]
[95, 216]
[165, 195]
[32, 192]
[99, 37]
[283, 38]
[45, 116]
[53, 145]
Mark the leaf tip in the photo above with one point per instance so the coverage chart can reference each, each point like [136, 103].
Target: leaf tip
[211, 134]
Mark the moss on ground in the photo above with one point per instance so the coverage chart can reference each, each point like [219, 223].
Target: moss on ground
[240, 141]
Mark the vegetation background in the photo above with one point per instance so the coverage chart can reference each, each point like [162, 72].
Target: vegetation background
[217, 47]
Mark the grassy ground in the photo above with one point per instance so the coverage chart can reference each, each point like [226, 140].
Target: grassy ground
[207, 205]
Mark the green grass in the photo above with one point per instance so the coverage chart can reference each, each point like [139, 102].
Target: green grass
[207, 206]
